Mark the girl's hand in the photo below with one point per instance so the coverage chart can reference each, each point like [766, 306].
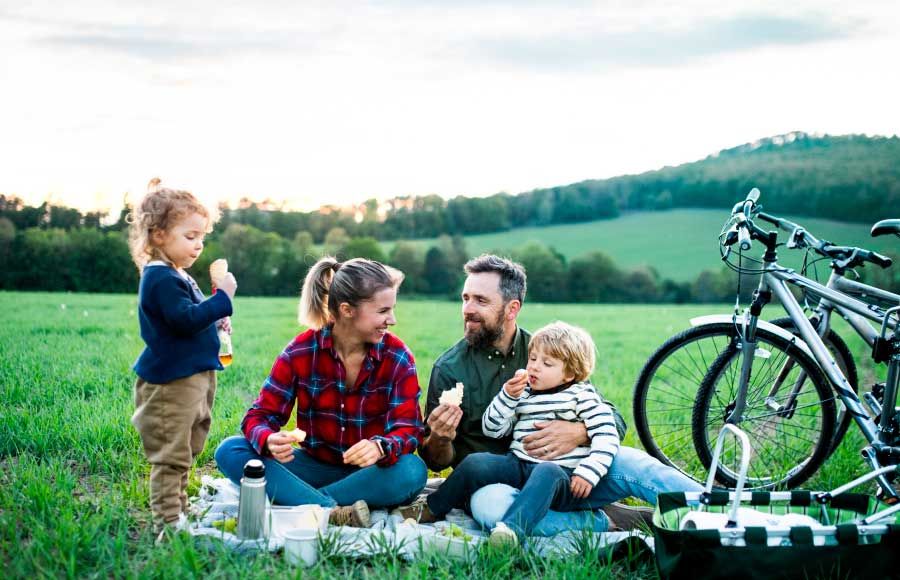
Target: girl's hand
[515, 386]
[365, 453]
[580, 487]
[279, 445]
[228, 285]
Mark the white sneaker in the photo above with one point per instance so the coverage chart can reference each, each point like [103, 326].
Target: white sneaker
[180, 525]
[502, 536]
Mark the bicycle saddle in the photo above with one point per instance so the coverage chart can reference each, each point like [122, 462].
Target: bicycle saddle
[886, 227]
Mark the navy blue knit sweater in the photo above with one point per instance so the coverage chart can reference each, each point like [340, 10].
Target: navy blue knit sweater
[177, 325]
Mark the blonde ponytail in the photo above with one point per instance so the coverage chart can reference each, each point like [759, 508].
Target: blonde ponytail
[314, 295]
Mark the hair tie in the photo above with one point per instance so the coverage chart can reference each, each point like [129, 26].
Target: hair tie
[336, 266]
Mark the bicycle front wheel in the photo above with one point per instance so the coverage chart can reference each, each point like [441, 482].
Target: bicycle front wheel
[789, 414]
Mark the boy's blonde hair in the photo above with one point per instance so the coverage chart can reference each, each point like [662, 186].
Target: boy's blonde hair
[570, 344]
[160, 209]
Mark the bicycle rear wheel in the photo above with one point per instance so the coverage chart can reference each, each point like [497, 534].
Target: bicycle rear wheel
[666, 389]
[790, 422]
[844, 359]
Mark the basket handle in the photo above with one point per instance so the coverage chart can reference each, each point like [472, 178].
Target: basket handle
[742, 474]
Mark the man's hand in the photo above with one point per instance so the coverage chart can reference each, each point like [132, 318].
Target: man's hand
[444, 420]
[515, 386]
[279, 445]
[554, 439]
[363, 454]
[580, 487]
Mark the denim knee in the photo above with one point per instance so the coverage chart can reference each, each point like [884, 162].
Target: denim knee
[475, 466]
[227, 456]
[490, 503]
[412, 475]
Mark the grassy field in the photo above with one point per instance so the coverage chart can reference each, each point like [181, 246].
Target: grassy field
[73, 482]
[679, 243]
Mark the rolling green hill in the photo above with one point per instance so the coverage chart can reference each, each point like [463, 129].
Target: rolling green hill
[679, 243]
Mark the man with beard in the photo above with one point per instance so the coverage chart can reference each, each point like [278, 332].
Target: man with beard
[492, 349]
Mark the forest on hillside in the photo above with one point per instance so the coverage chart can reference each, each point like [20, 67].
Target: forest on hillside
[851, 178]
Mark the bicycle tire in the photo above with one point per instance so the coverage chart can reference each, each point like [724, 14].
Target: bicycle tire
[665, 391]
[844, 358]
[788, 446]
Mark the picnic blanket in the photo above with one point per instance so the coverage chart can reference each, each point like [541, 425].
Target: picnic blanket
[218, 500]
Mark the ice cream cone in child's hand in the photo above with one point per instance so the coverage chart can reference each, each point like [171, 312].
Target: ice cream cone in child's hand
[221, 278]
[217, 271]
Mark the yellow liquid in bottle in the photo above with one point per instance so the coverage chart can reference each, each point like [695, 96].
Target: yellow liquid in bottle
[225, 359]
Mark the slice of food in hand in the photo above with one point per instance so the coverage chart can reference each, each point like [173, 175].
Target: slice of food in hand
[452, 396]
[298, 435]
[218, 270]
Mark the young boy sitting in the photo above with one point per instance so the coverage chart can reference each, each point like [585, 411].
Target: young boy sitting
[553, 386]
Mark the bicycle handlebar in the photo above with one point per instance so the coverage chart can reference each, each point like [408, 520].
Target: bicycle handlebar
[843, 256]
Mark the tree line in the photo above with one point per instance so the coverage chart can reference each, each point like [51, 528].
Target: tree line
[86, 259]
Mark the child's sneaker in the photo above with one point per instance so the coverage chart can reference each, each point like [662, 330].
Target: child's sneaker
[180, 525]
[502, 536]
[356, 515]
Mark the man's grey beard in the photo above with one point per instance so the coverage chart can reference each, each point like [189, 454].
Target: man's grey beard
[484, 337]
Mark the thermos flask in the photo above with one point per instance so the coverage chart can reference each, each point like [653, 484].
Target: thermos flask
[251, 523]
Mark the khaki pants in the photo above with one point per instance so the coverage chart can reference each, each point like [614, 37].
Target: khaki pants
[173, 421]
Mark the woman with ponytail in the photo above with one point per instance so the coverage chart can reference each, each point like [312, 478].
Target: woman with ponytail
[356, 394]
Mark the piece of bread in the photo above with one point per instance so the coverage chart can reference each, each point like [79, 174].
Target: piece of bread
[217, 271]
[452, 396]
[298, 435]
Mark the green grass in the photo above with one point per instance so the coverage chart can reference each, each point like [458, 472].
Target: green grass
[679, 243]
[73, 479]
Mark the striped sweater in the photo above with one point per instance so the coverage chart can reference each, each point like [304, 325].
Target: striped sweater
[578, 403]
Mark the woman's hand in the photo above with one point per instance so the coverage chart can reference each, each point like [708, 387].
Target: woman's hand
[555, 438]
[515, 386]
[580, 487]
[279, 445]
[225, 324]
[365, 453]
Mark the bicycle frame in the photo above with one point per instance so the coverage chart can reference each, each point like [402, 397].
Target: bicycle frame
[837, 296]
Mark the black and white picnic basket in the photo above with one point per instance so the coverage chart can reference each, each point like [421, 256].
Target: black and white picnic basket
[791, 534]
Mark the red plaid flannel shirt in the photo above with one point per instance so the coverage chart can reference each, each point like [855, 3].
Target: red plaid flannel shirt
[383, 405]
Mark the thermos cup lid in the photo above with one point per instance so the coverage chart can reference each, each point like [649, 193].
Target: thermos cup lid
[254, 469]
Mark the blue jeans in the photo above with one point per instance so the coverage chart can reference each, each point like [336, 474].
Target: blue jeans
[632, 473]
[305, 480]
[543, 485]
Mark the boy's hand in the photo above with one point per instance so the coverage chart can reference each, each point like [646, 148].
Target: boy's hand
[363, 454]
[280, 446]
[580, 487]
[228, 285]
[515, 386]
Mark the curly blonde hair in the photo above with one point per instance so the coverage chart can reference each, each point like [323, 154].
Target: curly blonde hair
[160, 209]
[570, 344]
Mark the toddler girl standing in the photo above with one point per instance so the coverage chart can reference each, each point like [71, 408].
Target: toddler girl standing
[176, 381]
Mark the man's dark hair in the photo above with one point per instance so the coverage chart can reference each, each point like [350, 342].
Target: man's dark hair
[512, 275]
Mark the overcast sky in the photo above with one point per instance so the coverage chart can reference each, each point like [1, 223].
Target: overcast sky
[336, 102]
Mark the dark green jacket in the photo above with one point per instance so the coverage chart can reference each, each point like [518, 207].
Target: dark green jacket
[482, 373]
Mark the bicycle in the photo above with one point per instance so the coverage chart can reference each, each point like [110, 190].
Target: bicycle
[667, 387]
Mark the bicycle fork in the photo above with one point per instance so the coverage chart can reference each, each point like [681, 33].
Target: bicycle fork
[748, 350]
